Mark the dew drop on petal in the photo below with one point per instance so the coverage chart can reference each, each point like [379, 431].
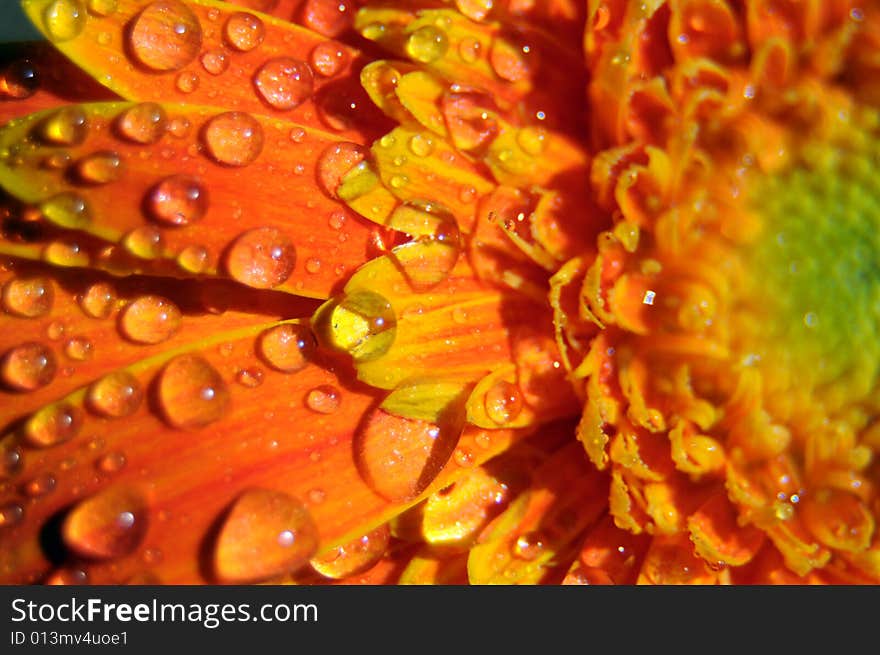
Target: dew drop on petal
[250, 377]
[10, 460]
[262, 258]
[68, 210]
[244, 31]
[11, 514]
[66, 127]
[324, 399]
[177, 200]
[111, 462]
[98, 300]
[28, 297]
[100, 167]
[355, 557]
[144, 123]
[115, 395]
[102, 7]
[528, 546]
[503, 402]
[192, 394]
[427, 44]
[328, 59]
[144, 242]
[476, 10]
[187, 82]
[28, 366]
[20, 79]
[109, 524]
[52, 425]
[233, 138]
[265, 533]
[362, 323]
[79, 349]
[193, 259]
[328, 17]
[165, 36]
[150, 319]
[287, 348]
[41, 485]
[64, 19]
[215, 61]
[284, 83]
[336, 162]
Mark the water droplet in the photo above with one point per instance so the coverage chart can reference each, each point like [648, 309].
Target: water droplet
[150, 319]
[511, 61]
[313, 265]
[324, 399]
[78, 348]
[57, 160]
[355, 557]
[99, 168]
[476, 10]
[144, 123]
[265, 533]
[102, 7]
[10, 460]
[429, 259]
[40, 485]
[187, 82]
[109, 524]
[11, 514]
[68, 577]
[165, 36]
[67, 210]
[328, 17]
[427, 44]
[28, 366]
[64, 19]
[111, 463]
[179, 127]
[20, 79]
[193, 259]
[362, 324]
[28, 297]
[421, 145]
[53, 424]
[463, 457]
[336, 162]
[233, 138]
[144, 242]
[215, 61]
[251, 377]
[65, 253]
[287, 348]
[191, 392]
[98, 300]
[177, 200]
[503, 402]
[328, 59]
[55, 330]
[284, 83]
[262, 258]
[244, 31]
[528, 546]
[115, 395]
[469, 50]
[66, 127]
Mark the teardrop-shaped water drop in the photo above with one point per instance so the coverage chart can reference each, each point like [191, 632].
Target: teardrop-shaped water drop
[503, 402]
[64, 19]
[52, 425]
[100, 167]
[262, 258]
[107, 525]
[28, 366]
[192, 393]
[68, 210]
[165, 36]
[150, 319]
[144, 242]
[287, 348]
[115, 395]
[234, 138]
[28, 297]
[265, 533]
[62, 252]
[66, 127]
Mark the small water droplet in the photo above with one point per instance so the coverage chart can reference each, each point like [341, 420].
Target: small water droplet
[284, 83]
[28, 297]
[215, 61]
[66, 127]
[165, 36]
[191, 392]
[265, 533]
[68, 210]
[65, 253]
[503, 402]
[244, 31]
[336, 162]
[287, 348]
[177, 200]
[262, 258]
[251, 377]
[143, 123]
[150, 319]
[421, 145]
[528, 546]
[317, 496]
[476, 10]
[78, 348]
[20, 79]
[193, 259]
[233, 138]
[55, 330]
[99, 168]
[41, 485]
[469, 50]
[187, 82]
[329, 18]
[64, 19]
[11, 514]
[102, 7]
[144, 242]
[427, 44]
[53, 424]
[463, 457]
[10, 460]
[324, 399]
[115, 395]
[328, 59]
[107, 525]
[111, 463]
[28, 366]
[98, 300]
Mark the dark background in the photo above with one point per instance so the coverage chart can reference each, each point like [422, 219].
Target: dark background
[13, 24]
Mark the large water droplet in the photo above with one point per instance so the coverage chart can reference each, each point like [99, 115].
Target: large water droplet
[66, 127]
[503, 402]
[191, 392]
[244, 31]
[234, 138]
[68, 210]
[355, 557]
[165, 36]
[288, 347]
[362, 323]
[427, 44]
[28, 297]
[328, 59]
[177, 200]
[262, 258]
[98, 300]
[284, 82]
[144, 123]
[115, 395]
[150, 319]
[110, 524]
[99, 168]
[266, 533]
[53, 425]
[336, 162]
[64, 19]
[28, 366]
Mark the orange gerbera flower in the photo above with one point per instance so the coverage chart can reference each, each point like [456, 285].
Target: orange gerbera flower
[441, 292]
